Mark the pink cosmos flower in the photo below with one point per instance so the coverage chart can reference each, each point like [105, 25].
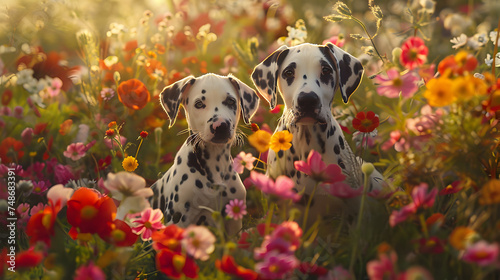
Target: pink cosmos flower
[283, 187]
[383, 268]
[481, 253]
[276, 266]
[413, 53]
[342, 190]
[236, 209]
[148, 221]
[198, 242]
[75, 151]
[318, 170]
[23, 210]
[37, 208]
[111, 143]
[40, 187]
[242, 161]
[89, 271]
[289, 231]
[395, 83]
[107, 93]
[421, 199]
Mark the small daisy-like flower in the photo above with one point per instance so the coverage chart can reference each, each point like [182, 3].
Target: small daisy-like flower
[75, 151]
[242, 161]
[236, 209]
[107, 93]
[438, 92]
[365, 122]
[482, 253]
[260, 140]
[130, 164]
[112, 125]
[40, 187]
[489, 60]
[54, 87]
[395, 84]
[281, 141]
[198, 242]
[110, 133]
[148, 221]
[459, 41]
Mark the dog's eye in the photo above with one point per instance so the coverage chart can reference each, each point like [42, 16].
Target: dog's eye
[199, 104]
[288, 73]
[326, 70]
[230, 101]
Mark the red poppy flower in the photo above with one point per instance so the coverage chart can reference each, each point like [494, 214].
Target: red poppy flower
[6, 97]
[11, 150]
[143, 134]
[40, 128]
[452, 188]
[365, 122]
[129, 49]
[181, 41]
[119, 234]
[413, 53]
[175, 264]
[28, 259]
[431, 245]
[133, 94]
[168, 238]
[229, 266]
[103, 163]
[41, 225]
[89, 212]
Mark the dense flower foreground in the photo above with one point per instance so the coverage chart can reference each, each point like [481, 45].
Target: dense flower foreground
[83, 136]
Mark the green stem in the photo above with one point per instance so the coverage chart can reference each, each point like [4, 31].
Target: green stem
[369, 36]
[269, 218]
[306, 213]
[358, 223]
[138, 148]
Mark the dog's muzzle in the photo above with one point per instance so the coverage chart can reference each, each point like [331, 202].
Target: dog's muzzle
[308, 108]
[221, 131]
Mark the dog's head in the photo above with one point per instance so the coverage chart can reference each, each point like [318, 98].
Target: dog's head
[307, 76]
[212, 104]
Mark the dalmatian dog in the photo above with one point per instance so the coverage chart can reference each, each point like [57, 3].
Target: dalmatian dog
[201, 178]
[307, 76]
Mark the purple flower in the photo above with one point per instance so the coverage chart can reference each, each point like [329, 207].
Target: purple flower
[394, 83]
[63, 174]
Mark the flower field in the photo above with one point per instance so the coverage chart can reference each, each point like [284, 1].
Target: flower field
[83, 136]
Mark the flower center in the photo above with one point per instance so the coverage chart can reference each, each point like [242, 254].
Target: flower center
[178, 261]
[366, 123]
[397, 82]
[481, 255]
[118, 235]
[147, 224]
[236, 209]
[274, 268]
[46, 221]
[88, 212]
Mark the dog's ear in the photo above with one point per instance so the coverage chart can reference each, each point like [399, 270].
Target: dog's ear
[170, 97]
[350, 71]
[265, 75]
[249, 100]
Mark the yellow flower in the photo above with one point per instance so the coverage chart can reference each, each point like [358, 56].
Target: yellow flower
[439, 92]
[281, 140]
[463, 88]
[260, 140]
[130, 164]
[490, 193]
[461, 236]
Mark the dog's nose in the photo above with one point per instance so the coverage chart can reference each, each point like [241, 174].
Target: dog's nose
[221, 132]
[308, 101]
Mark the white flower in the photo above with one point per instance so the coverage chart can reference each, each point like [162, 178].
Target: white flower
[428, 6]
[489, 60]
[477, 41]
[459, 41]
[25, 76]
[130, 189]
[493, 37]
[59, 193]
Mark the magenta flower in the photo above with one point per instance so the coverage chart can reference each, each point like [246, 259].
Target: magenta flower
[111, 143]
[289, 231]
[276, 266]
[198, 242]
[75, 151]
[481, 253]
[413, 53]
[89, 271]
[342, 190]
[283, 187]
[242, 161]
[394, 84]
[318, 170]
[148, 221]
[336, 40]
[23, 210]
[401, 215]
[40, 187]
[37, 208]
[422, 198]
[383, 268]
[55, 87]
[236, 209]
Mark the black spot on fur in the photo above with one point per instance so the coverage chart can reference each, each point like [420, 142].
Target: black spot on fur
[198, 184]
[341, 142]
[336, 149]
[176, 217]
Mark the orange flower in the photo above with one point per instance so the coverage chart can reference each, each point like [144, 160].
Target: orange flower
[281, 140]
[89, 211]
[11, 147]
[461, 236]
[118, 233]
[260, 140]
[41, 225]
[457, 64]
[65, 127]
[133, 94]
[490, 193]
